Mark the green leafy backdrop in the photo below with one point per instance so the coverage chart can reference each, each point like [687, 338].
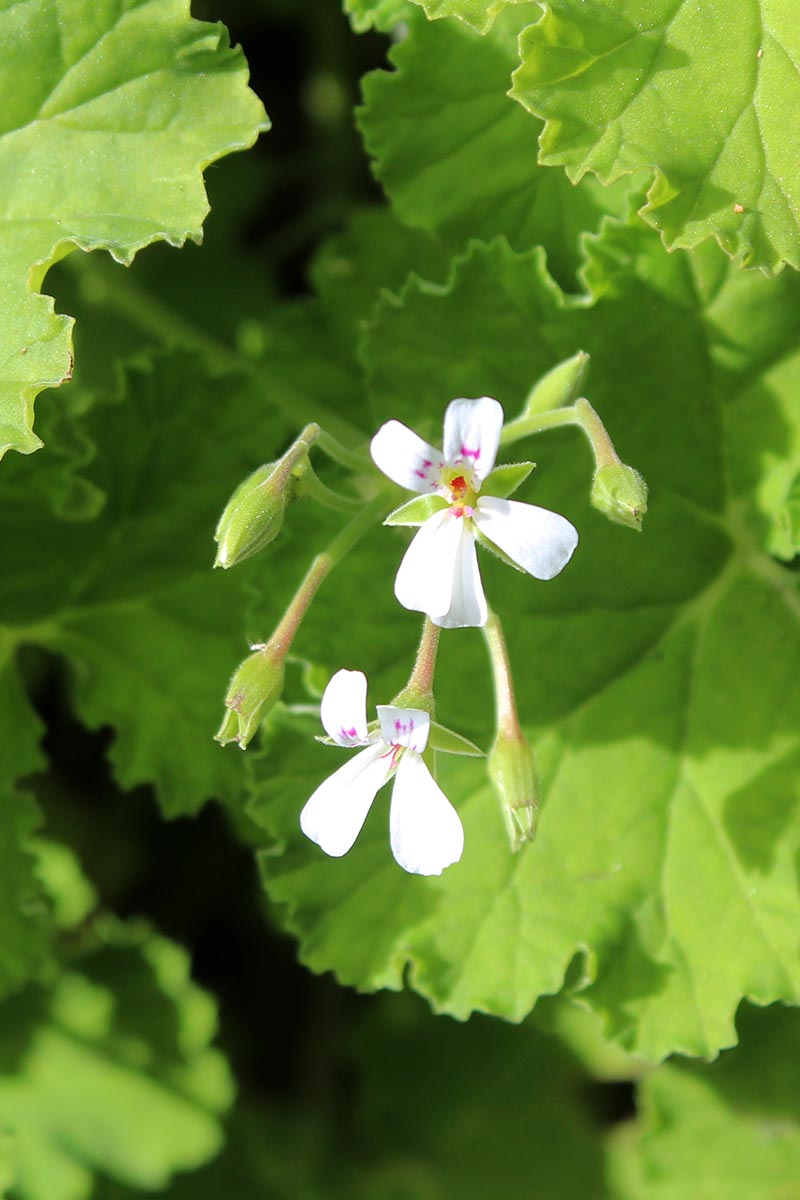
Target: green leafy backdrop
[455, 198]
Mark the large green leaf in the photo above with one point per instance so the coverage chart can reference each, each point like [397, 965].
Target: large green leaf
[656, 673]
[112, 111]
[457, 156]
[111, 1071]
[698, 93]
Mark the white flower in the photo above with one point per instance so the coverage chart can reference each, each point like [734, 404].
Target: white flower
[439, 574]
[424, 829]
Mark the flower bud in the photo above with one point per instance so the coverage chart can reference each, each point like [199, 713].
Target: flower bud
[512, 770]
[620, 493]
[256, 686]
[253, 516]
[559, 387]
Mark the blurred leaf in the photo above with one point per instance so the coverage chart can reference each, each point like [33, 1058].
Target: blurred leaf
[24, 915]
[730, 1131]
[117, 1075]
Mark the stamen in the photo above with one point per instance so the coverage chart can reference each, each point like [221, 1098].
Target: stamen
[458, 488]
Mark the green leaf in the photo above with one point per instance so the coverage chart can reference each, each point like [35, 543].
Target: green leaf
[126, 1033]
[458, 157]
[416, 511]
[24, 914]
[698, 95]
[375, 14]
[787, 523]
[116, 111]
[730, 1130]
[654, 674]
[150, 633]
[480, 14]
[374, 254]
[503, 481]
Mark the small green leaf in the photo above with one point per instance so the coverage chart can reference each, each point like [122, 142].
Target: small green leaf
[449, 742]
[375, 14]
[503, 481]
[416, 511]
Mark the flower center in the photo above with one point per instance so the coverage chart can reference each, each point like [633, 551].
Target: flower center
[460, 488]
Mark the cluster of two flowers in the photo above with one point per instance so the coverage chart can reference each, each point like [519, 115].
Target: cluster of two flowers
[438, 576]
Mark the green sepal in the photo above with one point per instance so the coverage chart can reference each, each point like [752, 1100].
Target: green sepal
[447, 742]
[503, 481]
[416, 511]
[559, 387]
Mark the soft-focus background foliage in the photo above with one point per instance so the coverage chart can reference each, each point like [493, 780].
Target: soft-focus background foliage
[390, 243]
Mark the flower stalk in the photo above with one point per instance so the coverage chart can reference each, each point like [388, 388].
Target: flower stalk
[618, 490]
[418, 692]
[256, 685]
[511, 762]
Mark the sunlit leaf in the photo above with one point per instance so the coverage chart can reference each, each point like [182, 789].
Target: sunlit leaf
[102, 145]
[698, 93]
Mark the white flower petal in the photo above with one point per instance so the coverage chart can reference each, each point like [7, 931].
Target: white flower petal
[424, 581]
[472, 433]
[343, 710]
[539, 541]
[467, 607]
[424, 829]
[404, 726]
[406, 458]
[338, 808]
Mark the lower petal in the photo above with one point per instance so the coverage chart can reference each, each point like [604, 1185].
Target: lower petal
[334, 815]
[424, 582]
[539, 541]
[468, 607]
[424, 829]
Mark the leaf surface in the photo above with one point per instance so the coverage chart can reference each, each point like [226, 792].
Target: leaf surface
[698, 93]
[458, 157]
[102, 145]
